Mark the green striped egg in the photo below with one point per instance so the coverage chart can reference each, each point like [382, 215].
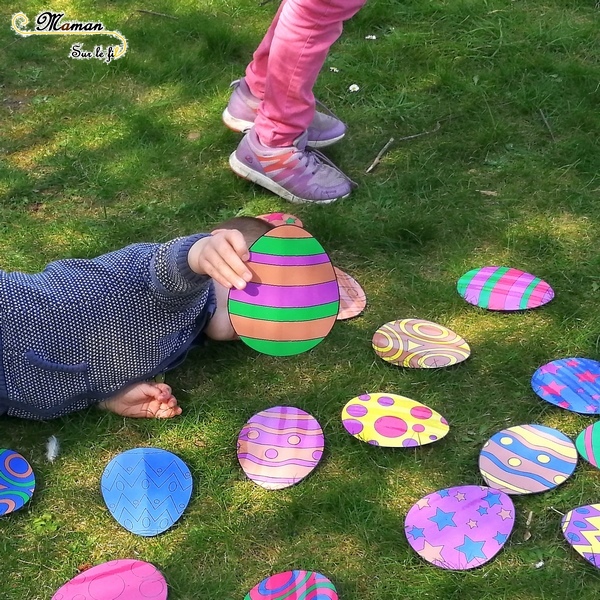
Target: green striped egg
[292, 301]
[503, 288]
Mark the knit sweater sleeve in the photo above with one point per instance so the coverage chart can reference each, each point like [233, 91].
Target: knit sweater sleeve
[170, 273]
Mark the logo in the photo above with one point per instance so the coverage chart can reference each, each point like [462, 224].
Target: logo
[51, 23]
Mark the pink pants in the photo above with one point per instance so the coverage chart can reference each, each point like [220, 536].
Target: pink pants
[287, 62]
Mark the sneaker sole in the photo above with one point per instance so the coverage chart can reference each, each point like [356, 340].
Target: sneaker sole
[243, 126]
[239, 168]
[237, 125]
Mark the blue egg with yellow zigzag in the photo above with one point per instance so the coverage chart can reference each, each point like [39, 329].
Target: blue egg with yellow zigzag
[146, 489]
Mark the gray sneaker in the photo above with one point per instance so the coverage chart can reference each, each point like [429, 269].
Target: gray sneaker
[325, 129]
[296, 173]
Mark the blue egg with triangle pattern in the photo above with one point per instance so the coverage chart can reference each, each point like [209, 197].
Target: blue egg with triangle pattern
[146, 489]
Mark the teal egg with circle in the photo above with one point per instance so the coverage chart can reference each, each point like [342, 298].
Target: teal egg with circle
[17, 481]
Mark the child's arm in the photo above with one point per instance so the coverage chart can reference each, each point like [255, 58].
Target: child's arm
[184, 266]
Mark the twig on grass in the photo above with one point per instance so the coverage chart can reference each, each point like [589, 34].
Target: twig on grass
[402, 139]
[156, 14]
[380, 154]
[547, 125]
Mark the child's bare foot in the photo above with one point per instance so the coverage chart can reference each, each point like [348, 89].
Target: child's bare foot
[144, 400]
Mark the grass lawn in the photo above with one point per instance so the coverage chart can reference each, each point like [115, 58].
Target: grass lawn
[95, 156]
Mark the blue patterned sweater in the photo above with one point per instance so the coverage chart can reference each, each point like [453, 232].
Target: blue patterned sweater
[81, 330]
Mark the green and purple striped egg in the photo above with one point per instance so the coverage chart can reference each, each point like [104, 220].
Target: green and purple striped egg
[503, 288]
[292, 301]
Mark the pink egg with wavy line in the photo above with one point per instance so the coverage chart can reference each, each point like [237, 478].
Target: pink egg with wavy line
[123, 579]
[280, 446]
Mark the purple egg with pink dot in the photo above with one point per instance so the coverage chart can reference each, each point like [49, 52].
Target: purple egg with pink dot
[391, 420]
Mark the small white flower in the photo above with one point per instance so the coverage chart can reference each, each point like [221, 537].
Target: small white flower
[334, 69]
[370, 37]
[353, 88]
[539, 565]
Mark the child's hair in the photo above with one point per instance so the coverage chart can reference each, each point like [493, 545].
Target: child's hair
[250, 227]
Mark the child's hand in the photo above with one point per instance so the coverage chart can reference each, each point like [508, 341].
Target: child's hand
[222, 256]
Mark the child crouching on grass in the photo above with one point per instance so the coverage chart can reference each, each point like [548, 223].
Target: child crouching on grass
[85, 332]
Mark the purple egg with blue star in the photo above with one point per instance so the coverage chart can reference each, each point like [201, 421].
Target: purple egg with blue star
[461, 527]
[570, 383]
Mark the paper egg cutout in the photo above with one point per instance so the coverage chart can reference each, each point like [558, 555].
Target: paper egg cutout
[124, 579]
[292, 300]
[588, 444]
[292, 585]
[146, 489]
[352, 297]
[280, 218]
[570, 383]
[419, 344]
[460, 527]
[580, 527]
[503, 288]
[527, 459]
[17, 481]
[280, 446]
[393, 421]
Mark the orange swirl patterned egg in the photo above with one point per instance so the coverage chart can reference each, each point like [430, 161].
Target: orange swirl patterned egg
[419, 344]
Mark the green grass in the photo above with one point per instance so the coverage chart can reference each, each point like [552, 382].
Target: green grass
[95, 156]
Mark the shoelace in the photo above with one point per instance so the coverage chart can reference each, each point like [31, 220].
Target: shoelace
[316, 159]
